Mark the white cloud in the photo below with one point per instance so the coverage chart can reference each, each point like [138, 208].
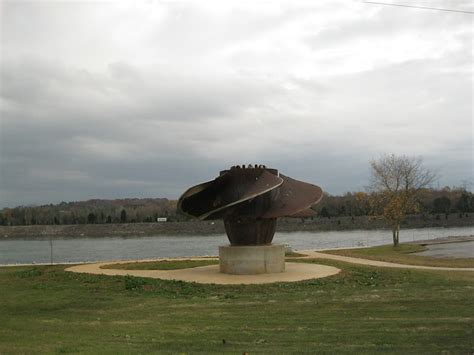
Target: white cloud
[152, 96]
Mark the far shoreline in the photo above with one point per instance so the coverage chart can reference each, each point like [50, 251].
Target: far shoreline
[197, 228]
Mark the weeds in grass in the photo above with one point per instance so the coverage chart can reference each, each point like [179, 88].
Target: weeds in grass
[134, 283]
[162, 264]
[34, 272]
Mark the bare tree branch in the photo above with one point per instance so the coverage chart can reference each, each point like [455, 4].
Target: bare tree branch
[395, 182]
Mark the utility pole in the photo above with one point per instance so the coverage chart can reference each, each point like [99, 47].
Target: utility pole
[51, 248]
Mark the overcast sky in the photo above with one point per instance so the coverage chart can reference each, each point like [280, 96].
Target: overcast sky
[145, 98]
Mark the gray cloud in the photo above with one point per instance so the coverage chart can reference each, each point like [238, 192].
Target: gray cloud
[115, 100]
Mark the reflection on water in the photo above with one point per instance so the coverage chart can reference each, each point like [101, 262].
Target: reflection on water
[95, 249]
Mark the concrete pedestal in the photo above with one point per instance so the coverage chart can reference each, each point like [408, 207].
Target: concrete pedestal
[251, 260]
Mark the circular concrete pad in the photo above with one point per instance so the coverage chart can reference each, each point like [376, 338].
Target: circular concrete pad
[211, 275]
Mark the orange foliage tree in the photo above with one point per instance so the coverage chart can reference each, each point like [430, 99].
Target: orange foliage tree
[394, 186]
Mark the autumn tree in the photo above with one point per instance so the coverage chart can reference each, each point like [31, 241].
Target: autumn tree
[394, 186]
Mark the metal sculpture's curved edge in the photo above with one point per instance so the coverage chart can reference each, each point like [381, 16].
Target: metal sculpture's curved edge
[190, 192]
[298, 213]
[241, 200]
[309, 212]
[294, 197]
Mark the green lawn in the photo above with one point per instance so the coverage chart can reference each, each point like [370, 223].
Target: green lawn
[162, 264]
[293, 254]
[361, 310]
[403, 254]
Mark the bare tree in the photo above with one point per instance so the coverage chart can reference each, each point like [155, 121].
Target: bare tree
[395, 183]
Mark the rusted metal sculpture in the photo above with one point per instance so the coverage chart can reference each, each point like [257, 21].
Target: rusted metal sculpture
[250, 199]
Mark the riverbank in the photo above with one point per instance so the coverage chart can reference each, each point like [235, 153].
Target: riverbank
[196, 227]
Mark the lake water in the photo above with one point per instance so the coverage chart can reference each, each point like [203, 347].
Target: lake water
[98, 249]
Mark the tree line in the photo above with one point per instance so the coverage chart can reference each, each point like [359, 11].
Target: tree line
[444, 201]
[92, 212]
[441, 202]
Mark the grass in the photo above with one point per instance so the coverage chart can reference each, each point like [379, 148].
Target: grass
[363, 309]
[162, 264]
[403, 254]
[293, 254]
